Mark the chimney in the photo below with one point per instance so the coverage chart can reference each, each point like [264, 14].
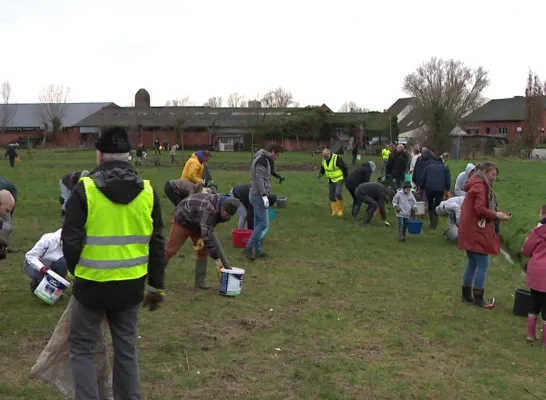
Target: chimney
[142, 99]
[254, 104]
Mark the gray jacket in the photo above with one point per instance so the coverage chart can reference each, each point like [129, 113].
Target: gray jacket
[260, 174]
[406, 202]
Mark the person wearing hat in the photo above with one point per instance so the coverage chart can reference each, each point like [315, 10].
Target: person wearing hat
[358, 176]
[195, 217]
[66, 184]
[405, 206]
[113, 244]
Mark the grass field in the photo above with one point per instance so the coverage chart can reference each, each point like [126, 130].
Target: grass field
[337, 312]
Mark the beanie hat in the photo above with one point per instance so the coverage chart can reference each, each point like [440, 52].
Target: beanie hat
[230, 204]
[114, 140]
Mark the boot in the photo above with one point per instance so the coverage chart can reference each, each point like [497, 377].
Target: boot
[333, 206]
[33, 285]
[201, 274]
[368, 217]
[340, 208]
[531, 327]
[478, 299]
[467, 294]
[433, 221]
[356, 210]
[402, 236]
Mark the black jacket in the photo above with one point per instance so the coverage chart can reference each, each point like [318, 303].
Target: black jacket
[117, 181]
[70, 180]
[6, 184]
[436, 177]
[360, 174]
[397, 165]
[241, 192]
[339, 163]
[422, 162]
[376, 191]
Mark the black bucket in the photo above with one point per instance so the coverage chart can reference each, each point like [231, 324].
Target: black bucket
[522, 302]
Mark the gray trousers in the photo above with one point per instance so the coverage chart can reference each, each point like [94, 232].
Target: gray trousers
[85, 330]
[335, 190]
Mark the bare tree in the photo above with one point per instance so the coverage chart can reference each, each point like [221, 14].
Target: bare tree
[53, 108]
[132, 103]
[214, 102]
[534, 111]
[352, 107]
[444, 91]
[278, 98]
[236, 100]
[7, 108]
[180, 102]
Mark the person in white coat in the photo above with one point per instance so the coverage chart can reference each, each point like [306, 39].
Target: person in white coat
[47, 254]
[451, 208]
[462, 178]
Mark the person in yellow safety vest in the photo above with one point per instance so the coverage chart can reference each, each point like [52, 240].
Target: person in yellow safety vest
[113, 243]
[385, 153]
[336, 171]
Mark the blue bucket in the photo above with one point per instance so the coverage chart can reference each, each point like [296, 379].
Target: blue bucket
[415, 226]
[271, 214]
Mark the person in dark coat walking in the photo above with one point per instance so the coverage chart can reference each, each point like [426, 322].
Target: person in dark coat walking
[11, 154]
[436, 183]
[374, 195]
[358, 176]
[421, 163]
[397, 165]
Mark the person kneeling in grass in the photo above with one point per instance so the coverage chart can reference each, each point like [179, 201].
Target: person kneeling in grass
[47, 254]
[195, 217]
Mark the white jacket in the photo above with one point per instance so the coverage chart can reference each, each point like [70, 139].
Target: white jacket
[461, 180]
[451, 206]
[46, 251]
[406, 203]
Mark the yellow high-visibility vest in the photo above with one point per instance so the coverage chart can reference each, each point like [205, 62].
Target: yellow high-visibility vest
[118, 236]
[332, 171]
[385, 153]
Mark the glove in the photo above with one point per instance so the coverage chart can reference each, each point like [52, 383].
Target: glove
[219, 266]
[397, 209]
[199, 245]
[153, 298]
[414, 212]
[266, 201]
[387, 223]
[43, 270]
[282, 178]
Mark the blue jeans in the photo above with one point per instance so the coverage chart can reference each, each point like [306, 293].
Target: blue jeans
[402, 224]
[58, 266]
[261, 222]
[476, 269]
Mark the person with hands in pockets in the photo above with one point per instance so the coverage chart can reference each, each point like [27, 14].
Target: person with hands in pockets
[405, 205]
[47, 254]
[112, 240]
[260, 188]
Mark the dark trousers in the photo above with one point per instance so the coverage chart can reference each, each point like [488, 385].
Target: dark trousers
[250, 217]
[373, 205]
[434, 199]
[85, 330]
[539, 303]
[351, 187]
[171, 194]
[11, 161]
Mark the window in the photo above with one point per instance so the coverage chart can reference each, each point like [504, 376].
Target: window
[488, 131]
[224, 140]
[503, 131]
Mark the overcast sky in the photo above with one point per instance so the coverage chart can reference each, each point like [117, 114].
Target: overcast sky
[322, 51]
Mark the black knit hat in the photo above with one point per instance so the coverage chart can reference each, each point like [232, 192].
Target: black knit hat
[114, 140]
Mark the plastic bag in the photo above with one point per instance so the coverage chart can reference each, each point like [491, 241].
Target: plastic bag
[53, 364]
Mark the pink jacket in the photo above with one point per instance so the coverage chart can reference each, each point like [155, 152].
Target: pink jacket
[535, 248]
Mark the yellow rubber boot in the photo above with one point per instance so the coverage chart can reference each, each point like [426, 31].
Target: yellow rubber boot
[333, 205]
[340, 208]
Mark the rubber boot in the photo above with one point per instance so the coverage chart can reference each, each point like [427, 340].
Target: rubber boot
[401, 236]
[467, 294]
[433, 221]
[340, 208]
[201, 274]
[478, 299]
[333, 206]
[356, 210]
[532, 327]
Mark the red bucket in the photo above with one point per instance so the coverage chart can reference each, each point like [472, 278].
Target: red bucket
[240, 237]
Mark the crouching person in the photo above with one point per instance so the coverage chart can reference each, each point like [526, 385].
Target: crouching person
[47, 254]
[178, 189]
[451, 208]
[195, 217]
[374, 195]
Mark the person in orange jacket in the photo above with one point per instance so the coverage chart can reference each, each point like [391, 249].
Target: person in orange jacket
[193, 169]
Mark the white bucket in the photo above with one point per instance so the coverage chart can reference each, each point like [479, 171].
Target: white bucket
[420, 205]
[51, 287]
[452, 233]
[231, 281]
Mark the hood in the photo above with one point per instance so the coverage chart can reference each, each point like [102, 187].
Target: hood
[367, 167]
[260, 153]
[469, 168]
[426, 156]
[118, 181]
[541, 230]
[473, 181]
[198, 155]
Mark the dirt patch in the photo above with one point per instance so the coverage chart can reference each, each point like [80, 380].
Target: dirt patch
[310, 166]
